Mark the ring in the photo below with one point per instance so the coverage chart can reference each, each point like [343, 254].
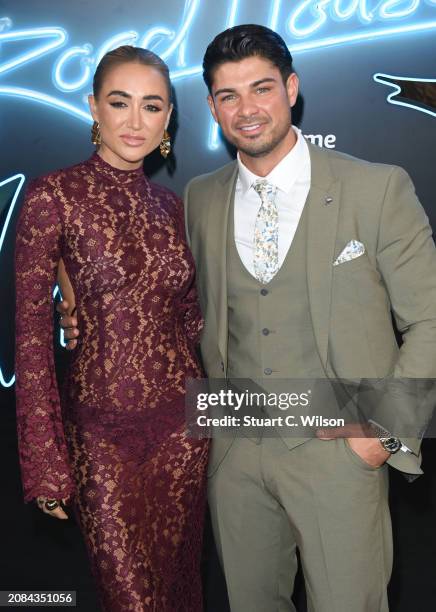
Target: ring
[51, 504]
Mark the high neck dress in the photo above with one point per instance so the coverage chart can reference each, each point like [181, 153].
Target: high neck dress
[116, 441]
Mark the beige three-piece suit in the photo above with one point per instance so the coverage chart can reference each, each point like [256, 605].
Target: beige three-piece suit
[269, 496]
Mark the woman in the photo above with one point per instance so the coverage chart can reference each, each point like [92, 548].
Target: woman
[118, 446]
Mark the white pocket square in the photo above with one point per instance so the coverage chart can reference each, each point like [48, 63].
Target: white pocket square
[353, 249]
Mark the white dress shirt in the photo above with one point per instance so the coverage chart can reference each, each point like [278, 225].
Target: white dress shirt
[291, 176]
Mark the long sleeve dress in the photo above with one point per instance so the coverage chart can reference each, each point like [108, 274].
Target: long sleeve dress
[115, 441]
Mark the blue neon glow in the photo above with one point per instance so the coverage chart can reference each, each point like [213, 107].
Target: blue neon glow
[213, 140]
[159, 32]
[4, 382]
[56, 291]
[186, 73]
[65, 58]
[340, 13]
[58, 35]
[190, 14]
[274, 14]
[316, 12]
[124, 38]
[363, 36]
[181, 57]
[17, 177]
[190, 10]
[387, 9]
[36, 96]
[306, 20]
[382, 78]
[5, 23]
[309, 17]
[20, 178]
[365, 16]
[231, 19]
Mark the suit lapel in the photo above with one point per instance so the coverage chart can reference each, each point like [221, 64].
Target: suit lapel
[323, 209]
[218, 218]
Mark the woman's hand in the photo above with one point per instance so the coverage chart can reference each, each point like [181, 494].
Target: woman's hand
[48, 506]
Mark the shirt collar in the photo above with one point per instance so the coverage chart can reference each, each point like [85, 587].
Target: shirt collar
[287, 171]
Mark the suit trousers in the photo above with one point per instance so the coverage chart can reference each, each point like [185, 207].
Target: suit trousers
[321, 497]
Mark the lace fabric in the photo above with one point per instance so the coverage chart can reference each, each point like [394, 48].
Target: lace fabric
[116, 443]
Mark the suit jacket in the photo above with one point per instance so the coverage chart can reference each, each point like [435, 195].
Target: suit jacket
[351, 304]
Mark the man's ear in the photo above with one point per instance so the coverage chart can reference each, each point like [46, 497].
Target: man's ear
[292, 85]
[93, 107]
[212, 107]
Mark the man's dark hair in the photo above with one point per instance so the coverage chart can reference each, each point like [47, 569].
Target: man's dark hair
[244, 41]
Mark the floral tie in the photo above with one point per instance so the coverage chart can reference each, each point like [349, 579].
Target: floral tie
[266, 233]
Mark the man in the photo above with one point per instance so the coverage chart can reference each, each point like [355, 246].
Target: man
[287, 312]
[283, 298]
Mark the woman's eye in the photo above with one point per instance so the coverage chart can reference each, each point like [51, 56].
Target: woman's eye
[148, 107]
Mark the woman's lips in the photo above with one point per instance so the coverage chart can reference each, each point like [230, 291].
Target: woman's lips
[132, 141]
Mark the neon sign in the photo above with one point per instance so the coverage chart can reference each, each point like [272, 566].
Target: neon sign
[20, 178]
[311, 15]
[20, 181]
[309, 25]
[412, 92]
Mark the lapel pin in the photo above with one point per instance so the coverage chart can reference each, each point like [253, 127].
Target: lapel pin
[328, 200]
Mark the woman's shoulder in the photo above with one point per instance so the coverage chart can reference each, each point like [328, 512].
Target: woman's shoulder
[57, 177]
[55, 181]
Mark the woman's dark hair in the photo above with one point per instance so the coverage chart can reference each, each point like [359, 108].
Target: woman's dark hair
[244, 41]
[127, 54]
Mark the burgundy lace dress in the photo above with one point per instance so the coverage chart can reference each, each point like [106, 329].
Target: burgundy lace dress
[116, 443]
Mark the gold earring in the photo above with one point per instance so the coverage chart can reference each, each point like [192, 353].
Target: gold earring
[165, 145]
[95, 134]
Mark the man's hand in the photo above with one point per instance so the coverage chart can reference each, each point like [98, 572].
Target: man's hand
[358, 437]
[69, 324]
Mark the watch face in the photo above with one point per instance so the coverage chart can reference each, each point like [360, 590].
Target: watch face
[392, 445]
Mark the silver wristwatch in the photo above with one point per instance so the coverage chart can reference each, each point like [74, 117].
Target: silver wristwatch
[389, 442]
